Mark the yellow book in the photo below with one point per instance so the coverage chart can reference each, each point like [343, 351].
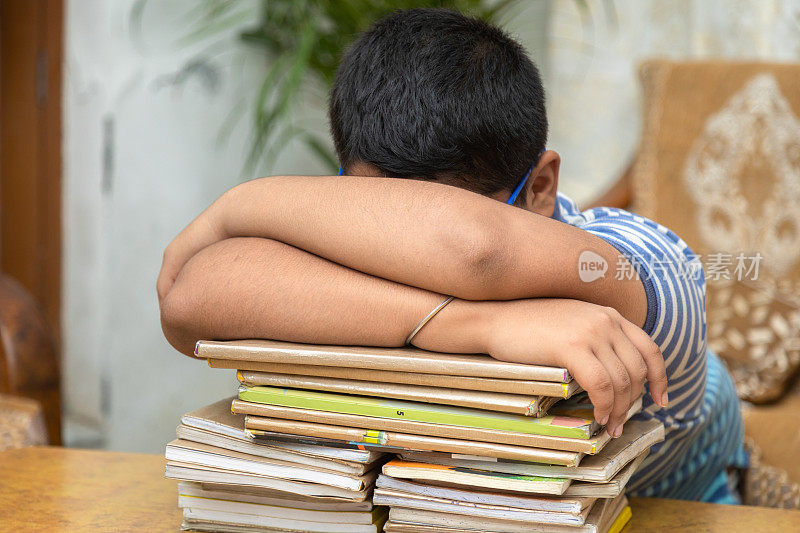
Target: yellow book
[621, 521]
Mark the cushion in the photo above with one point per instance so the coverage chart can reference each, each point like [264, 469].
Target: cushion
[773, 440]
[21, 423]
[766, 485]
[720, 165]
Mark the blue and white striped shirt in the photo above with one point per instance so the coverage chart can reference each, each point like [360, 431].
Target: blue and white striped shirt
[703, 424]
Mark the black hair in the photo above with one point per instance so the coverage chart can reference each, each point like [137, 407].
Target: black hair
[434, 94]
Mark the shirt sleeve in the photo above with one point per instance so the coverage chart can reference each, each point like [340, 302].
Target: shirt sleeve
[674, 283]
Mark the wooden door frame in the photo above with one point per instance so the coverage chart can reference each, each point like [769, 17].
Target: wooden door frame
[31, 42]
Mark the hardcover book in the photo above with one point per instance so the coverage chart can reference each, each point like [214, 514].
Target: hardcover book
[266, 497]
[507, 386]
[217, 476]
[444, 505]
[278, 451]
[558, 504]
[303, 497]
[217, 458]
[260, 434]
[637, 437]
[402, 442]
[535, 406]
[406, 359]
[590, 446]
[559, 426]
[287, 513]
[606, 516]
[475, 478]
[610, 489]
[201, 519]
[216, 425]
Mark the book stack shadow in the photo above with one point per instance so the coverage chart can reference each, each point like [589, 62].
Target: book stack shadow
[327, 438]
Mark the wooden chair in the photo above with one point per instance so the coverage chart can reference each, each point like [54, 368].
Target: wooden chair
[719, 164]
[29, 366]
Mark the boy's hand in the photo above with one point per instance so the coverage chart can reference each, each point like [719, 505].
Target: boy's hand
[608, 355]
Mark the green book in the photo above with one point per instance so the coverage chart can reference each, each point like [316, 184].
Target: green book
[559, 426]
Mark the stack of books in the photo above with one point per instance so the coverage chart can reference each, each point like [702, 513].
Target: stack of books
[228, 481]
[476, 444]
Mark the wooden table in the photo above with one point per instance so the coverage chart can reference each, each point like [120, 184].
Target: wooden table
[60, 489]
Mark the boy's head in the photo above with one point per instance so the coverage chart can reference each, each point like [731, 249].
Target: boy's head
[433, 94]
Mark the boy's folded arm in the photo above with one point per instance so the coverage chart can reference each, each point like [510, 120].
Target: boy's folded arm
[428, 235]
[259, 288]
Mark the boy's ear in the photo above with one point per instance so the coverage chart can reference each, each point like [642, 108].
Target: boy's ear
[542, 186]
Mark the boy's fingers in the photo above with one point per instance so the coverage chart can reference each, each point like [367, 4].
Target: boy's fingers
[651, 354]
[593, 377]
[633, 361]
[622, 388]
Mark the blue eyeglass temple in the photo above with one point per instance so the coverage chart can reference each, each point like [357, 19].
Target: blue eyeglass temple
[513, 197]
[517, 190]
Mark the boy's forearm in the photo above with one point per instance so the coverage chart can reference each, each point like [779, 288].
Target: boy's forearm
[417, 233]
[258, 288]
[428, 235]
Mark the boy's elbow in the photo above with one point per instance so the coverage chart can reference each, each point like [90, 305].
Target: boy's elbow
[483, 258]
[177, 319]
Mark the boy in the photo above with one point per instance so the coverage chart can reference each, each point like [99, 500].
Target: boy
[438, 121]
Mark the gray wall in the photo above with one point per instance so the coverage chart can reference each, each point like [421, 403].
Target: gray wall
[142, 157]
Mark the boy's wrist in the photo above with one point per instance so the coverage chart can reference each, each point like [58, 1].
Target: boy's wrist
[461, 327]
